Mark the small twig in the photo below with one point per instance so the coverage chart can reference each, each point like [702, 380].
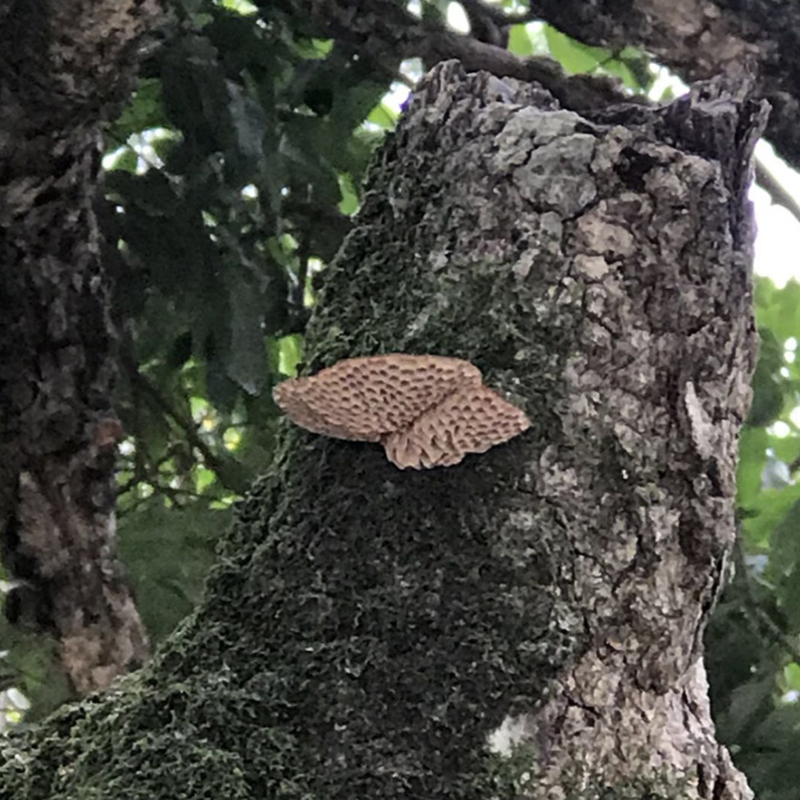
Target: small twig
[775, 189]
[409, 83]
[127, 486]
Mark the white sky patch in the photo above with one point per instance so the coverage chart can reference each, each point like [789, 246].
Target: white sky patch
[143, 145]
[457, 19]
[780, 429]
[512, 731]
[778, 240]
[411, 68]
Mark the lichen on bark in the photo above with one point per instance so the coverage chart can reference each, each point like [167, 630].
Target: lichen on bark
[370, 632]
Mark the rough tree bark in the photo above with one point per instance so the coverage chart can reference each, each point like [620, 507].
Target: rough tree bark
[528, 623]
[64, 68]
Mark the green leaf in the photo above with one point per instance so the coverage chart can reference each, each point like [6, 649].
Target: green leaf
[765, 512]
[249, 122]
[748, 703]
[145, 111]
[223, 391]
[313, 48]
[151, 192]
[126, 160]
[167, 553]
[786, 541]
[791, 677]
[290, 354]
[632, 65]
[769, 385]
[349, 203]
[383, 116]
[623, 71]
[204, 478]
[785, 448]
[195, 94]
[779, 309]
[785, 564]
[34, 662]
[752, 458]
[519, 40]
[240, 6]
[311, 155]
[572, 55]
[353, 104]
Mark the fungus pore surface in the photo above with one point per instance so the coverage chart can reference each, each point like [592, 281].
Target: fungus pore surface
[427, 411]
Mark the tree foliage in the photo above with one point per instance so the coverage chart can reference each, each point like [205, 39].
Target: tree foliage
[231, 177]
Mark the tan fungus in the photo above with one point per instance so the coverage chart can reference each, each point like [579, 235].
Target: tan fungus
[427, 411]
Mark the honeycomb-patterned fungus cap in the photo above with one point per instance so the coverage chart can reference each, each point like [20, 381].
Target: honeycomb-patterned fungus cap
[427, 411]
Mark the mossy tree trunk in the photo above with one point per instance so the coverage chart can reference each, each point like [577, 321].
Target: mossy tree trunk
[529, 622]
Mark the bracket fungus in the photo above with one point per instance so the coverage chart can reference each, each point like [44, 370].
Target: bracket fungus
[427, 411]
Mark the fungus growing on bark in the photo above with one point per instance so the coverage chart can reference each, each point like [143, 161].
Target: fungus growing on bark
[427, 411]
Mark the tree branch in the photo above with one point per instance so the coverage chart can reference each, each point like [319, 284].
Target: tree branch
[228, 471]
[381, 30]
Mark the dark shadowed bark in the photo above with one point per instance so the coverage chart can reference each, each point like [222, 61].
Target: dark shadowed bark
[698, 39]
[527, 623]
[64, 67]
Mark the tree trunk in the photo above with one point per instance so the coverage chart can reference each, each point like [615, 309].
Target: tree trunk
[527, 623]
[62, 67]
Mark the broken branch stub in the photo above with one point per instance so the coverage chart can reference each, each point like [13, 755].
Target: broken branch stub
[427, 411]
